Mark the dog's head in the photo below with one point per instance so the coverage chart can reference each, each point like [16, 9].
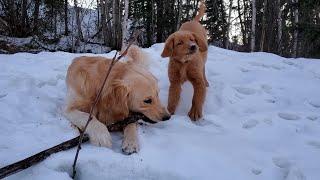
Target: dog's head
[183, 44]
[137, 92]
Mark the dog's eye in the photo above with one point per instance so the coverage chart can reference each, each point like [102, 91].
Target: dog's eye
[192, 40]
[180, 43]
[148, 101]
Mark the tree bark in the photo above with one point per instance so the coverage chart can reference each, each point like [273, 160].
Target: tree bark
[24, 15]
[78, 22]
[179, 14]
[279, 20]
[36, 16]
[160, 10]
[263, 31]
[253, 26]
[296, 30]
[103, 21]
[66, 29]
[229, 24]
[125, 25]
[243, 32]
[116, 24]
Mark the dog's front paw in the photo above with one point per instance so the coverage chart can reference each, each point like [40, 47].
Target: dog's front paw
[171, 109]
[99, 134]
[195, 113]
[130, 146]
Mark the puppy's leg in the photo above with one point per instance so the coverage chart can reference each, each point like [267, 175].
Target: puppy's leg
[174, 97]
[98, 132]
[199, 95]
[130, 142]
[205, 77]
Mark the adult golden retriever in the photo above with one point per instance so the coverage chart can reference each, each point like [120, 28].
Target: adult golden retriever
[187, 49]
[130, 87]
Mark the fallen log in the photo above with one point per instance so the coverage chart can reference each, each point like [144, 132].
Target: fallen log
[32, 160]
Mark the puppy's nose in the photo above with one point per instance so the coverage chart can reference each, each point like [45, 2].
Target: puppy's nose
[193, 47]
[165, 118]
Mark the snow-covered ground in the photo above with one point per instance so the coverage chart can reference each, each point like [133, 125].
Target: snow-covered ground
[261, 121]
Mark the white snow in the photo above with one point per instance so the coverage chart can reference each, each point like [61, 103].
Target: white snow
[261, 121]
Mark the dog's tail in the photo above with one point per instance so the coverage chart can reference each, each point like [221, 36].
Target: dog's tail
[137, 56]
[202, 10]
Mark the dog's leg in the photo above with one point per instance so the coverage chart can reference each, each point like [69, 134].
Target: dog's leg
[205, 77]
[130, 142]
[98, 132]
[199, 94]
[174, 97]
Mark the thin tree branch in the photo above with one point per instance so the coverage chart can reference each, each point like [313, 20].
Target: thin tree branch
[32, 160]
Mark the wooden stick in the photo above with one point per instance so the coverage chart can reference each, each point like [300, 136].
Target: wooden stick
[25, 163]
[32, 160]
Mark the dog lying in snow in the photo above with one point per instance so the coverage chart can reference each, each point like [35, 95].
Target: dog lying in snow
[187, 49]
[130, 87]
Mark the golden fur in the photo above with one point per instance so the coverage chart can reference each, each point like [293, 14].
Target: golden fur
[129, 86]
[187, 49]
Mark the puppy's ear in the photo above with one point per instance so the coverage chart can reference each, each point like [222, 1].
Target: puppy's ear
[168, 47]
[117, 99]
[202, 43]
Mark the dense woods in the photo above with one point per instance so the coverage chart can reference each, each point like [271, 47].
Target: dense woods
[290, 28]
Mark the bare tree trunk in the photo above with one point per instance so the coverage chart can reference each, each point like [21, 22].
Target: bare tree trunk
[98, 15]
[279, 28]
[160, 12]
[179, 14]
[125, 25]
[243, 32]
[103, 21]
[116, 23]
[24, 16]
[263, 31]
[296, 31]
[78, 22]
[36, 16]
[229, 24]
[108, 35]
[66, 29]
[253, 26]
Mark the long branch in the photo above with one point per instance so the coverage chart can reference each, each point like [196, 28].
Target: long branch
[34, 159]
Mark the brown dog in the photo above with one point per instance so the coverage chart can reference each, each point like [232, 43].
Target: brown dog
[187, 49]
[130, 87]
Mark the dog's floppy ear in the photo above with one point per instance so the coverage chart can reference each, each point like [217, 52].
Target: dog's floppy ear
[117, 99]
[202, 43]
[168, 47]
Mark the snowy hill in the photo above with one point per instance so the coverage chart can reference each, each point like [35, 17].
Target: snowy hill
[261, 121]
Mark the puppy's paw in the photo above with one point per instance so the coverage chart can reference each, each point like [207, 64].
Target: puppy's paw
[207, 84]
[171, 110]
[99, 134]
[195, 113]
[130, 146]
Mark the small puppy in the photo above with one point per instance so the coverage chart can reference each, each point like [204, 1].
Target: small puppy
[187, 49]
[130, 87]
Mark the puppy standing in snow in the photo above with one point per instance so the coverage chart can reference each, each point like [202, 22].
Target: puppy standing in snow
[187, 49]
[130, 87]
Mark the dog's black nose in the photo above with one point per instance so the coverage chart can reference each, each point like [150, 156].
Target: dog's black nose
[193, 47]
[165, 118]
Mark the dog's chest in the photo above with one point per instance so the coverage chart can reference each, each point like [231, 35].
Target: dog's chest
[183, 72]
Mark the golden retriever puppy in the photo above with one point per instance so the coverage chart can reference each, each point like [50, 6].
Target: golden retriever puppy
[130, 87]
[187, 49]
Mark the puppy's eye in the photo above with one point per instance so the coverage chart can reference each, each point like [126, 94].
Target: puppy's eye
[192, 40]
[180, 43]
[148, 101]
